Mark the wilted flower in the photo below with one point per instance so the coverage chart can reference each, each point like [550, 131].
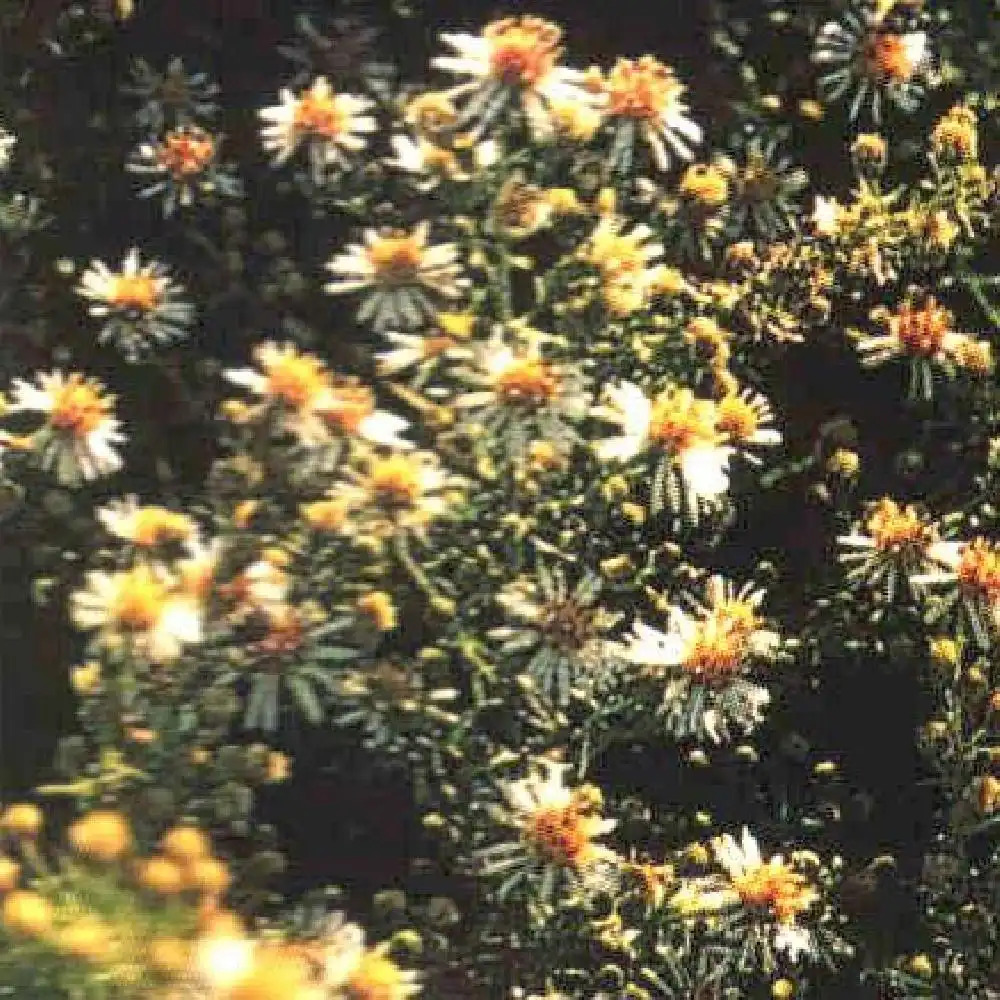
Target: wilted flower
[332, 126]
[80, 434]
[702, 660]
[558, 829]
[513, 62]
[562, 631]
[403, 274]
[872, 58]
[643, 98]
[173, 98]
[141, 306]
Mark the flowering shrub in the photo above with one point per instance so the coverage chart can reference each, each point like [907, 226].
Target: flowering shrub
[535, 441]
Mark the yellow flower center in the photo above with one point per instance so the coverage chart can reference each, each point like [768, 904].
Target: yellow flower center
[375, 978]
[134, 291]
[776, 886]
[294, 379]
[705, 184]
[921, 330]
[642, 89]
[522, 50]
[185, 152]
[78, 408]
[138, 599]
[680, 421]
[319, 112]
[737, 419]
[395, 481]
[156, 525]
[716, 651]
[893, 527]
[396, 260]
[528, 382]
[889, 57]
[559, 834]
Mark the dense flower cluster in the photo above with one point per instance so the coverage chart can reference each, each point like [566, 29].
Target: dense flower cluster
[513, 461]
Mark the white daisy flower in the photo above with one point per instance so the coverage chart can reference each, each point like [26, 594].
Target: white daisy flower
[147, 526]
[141, 306]
[643, 97]
[675, 422]
[138, 610]
[521, 395]
[332, 126]
[703, 660]
[79, 438]
[403, 275]
[557, 832]
[873, 59]
[513, 62]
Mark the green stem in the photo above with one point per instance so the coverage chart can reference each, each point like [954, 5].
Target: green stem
[445, 605]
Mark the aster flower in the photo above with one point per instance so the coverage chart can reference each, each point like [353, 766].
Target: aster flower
[290, 384]
[138, 611]
[642, 98]
[512, 63]
[921, 332]
[677, 424]
[972, 568]
[429, 163]
[303, 398]
[521, 395]
[80, 433]
[624, 261]
[332, 126]
[148, 526]
[183, 166]
[557, 829]
[140, 305]
[891, 547]
[424, 353]
[746, 419]
[703, 660]
[561, 631]
[873, 58]
[394, 495]
[766, 899]
[402, 274]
